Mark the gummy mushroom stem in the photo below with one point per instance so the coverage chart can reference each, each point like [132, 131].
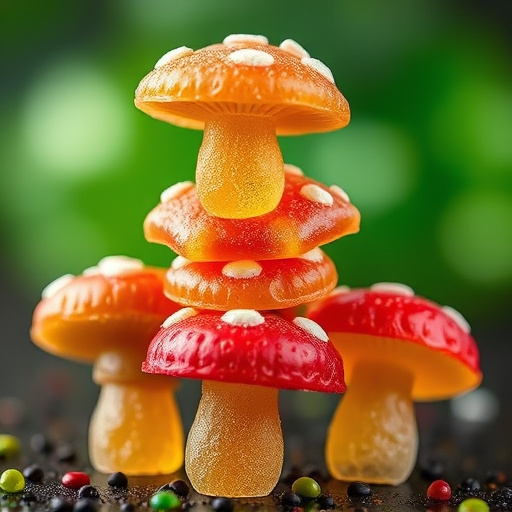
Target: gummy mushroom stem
[130, 397]
[236, 425]
[373, 435]
[240, 169]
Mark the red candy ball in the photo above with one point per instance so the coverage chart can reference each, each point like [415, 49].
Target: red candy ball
[439, 490]
[75, 479]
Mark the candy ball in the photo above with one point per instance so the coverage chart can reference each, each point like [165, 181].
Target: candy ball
[164, 501]
[12, 480]
[10, 446]
[306, 487]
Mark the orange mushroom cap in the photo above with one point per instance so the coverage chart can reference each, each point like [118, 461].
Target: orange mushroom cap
[248, 284]
[309, 214]
[244, 75]
[118, 305]
[389, 323]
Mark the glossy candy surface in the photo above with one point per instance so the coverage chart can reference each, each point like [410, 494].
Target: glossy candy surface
[188, 90]
[242, 93]
[108, 316]
[304, 219]
[408, 329]
[263, 285]
[95, 312]
[275, 352]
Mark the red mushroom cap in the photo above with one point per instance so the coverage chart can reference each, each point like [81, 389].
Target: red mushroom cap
[392, 324]
[246, 347]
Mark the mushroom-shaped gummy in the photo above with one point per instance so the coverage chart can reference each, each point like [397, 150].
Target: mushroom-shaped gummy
[235, 446]
[108, 316]
[309, 215]
[242, 93]
[247, 284]
[397, 347]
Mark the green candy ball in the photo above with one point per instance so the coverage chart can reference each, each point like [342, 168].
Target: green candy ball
[164, 501]
[12, 480]
[473, 505]
[306, 487]
[10, 446]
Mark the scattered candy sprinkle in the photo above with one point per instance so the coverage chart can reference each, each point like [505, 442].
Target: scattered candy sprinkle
[306, 487]
[118, 480]
[75, 479]
[222, 505]
[12, 480]
[325, 502]
[358, 490]
[10, 446]
[439, 490]
[180, 488]
[164, 501]
[473, 505]
[34, 474]
[290, 499]
[88, 491]
[85, 505]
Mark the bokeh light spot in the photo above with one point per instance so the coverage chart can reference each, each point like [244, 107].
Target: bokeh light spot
[472, 126]
[479, 406]
[475, 235]
[67, 244]
[76, 123]
[373, 162]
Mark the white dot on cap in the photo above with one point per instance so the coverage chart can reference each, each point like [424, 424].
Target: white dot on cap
[91, 271]
[52, 288]
[319, 66]
[243, 317]
[340, 289]
[179, 262]
[316, 255]
[171, 55]
[180, 315]
[457, 317]
[175, 190]
[251, 57]
[397, 288]
[316, 194]
[340, 192]
[117, 265]
[293, 169]
[312, 327]
[242, 269]
[245, 38]
[291, 46]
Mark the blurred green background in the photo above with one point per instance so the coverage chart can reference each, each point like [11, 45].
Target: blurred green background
[427, 157]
